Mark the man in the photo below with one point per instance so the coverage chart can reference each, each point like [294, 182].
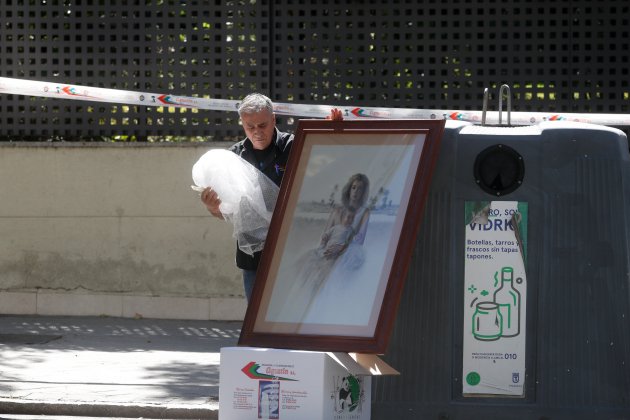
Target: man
[266, 148]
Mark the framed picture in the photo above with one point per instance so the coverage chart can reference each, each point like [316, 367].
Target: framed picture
[342, 234]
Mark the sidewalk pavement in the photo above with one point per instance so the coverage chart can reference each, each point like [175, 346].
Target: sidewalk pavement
[111, 367]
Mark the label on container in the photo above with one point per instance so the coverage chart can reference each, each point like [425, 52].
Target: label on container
[495, 298]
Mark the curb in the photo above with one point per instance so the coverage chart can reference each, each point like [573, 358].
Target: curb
[208, 411]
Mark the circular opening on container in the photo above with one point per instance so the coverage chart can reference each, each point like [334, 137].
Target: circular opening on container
[499, 170]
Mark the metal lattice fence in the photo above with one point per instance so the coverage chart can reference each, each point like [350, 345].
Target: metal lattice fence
[558, 56]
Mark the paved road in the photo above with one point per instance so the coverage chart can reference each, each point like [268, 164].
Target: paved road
[101, 366]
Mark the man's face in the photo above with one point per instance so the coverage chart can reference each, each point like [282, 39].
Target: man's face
[259, 128]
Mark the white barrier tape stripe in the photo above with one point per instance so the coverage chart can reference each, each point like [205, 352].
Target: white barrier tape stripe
[88, 93]
[126, 97]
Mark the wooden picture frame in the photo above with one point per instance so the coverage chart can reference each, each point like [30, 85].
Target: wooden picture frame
[342, 234]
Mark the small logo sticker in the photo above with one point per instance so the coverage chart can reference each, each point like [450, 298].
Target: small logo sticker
[473, 378]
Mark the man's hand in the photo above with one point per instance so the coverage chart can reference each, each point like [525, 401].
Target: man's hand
[335, 115]
[210, 198]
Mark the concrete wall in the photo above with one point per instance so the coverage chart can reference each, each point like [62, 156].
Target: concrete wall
[112, 229]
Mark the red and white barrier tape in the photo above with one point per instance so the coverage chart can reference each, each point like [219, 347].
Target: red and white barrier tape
[127, 97]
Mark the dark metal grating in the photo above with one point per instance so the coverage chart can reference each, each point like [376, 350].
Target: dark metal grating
[558, 56]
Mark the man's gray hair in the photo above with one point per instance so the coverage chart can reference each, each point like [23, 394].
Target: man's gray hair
[254, 103]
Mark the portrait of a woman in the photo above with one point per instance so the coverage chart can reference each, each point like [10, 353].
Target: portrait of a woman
[335, 242]
[337, 256]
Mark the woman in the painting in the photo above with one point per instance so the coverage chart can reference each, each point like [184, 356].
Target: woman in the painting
[340, 249]
[354, 196]
[337, 236]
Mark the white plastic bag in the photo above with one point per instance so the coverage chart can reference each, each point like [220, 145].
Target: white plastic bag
[247, 196]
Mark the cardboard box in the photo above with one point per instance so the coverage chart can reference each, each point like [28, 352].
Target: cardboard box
[258, 383]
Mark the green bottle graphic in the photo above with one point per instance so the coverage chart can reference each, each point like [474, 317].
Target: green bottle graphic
[509, 301]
